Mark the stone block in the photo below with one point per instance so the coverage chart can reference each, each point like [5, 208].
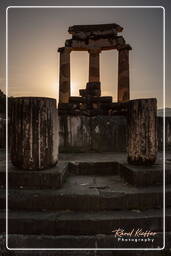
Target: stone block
[50, 178]
[109, 134]
[94, 85]
[83, 92]
[76, 100]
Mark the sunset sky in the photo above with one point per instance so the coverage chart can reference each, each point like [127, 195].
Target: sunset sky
[35, 35]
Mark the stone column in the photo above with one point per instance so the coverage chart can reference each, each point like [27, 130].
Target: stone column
[94, 65]
[64, 74]
[142, 131]
[34, 126]
[123, 74]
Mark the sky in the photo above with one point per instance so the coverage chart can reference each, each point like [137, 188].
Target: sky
[35, 34]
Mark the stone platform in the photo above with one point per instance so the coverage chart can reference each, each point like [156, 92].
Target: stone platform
[94, 197]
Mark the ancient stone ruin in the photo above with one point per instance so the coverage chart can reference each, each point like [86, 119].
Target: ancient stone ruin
[34, 123]
[68, 201]
[94, 39]
[90, 113]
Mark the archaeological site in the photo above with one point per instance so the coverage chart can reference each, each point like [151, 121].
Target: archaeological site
[86, 173]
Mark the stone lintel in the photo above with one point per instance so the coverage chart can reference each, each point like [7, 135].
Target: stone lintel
[102, 43]
[96, 27]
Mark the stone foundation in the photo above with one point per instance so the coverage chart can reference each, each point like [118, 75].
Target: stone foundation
[102, 133]
[96, 133]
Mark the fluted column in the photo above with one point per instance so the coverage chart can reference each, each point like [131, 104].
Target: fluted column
[34, 133]
[64, 75]
[94, 65]
[142, 131]
[123, 74]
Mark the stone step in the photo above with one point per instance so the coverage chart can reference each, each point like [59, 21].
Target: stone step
[87, 193]
[83, 223]
[143, 176]
[84, 241]
[92, 253]
[136, 175]
[33, 241]
[93, 168]
[49, 178]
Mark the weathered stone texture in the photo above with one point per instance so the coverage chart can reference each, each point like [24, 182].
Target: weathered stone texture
[160, 126]
[94, 65]
[103, 43]
[123, 75]
[90, 36]
[142, 134]
[108, 133]
[75, 134]
[97, 133]
[34, 127]
[64, 76]
[101, 28]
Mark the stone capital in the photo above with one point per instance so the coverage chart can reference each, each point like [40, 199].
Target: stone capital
[124, 47]
[94, 50]
[65, 49]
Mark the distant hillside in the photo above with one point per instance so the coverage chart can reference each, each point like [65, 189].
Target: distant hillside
[2, 102]
[167, 111]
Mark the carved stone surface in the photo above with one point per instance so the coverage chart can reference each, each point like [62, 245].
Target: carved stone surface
[34, 133]
[142, 131]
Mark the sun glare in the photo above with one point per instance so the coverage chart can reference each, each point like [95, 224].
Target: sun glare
[74, 89]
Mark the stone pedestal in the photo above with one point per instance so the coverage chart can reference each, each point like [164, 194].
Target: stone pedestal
[123, 74]
[142, 131]
[94, 65]
[64, 75]
[34, 126]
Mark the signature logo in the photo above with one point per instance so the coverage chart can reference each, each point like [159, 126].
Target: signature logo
[134, 235]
